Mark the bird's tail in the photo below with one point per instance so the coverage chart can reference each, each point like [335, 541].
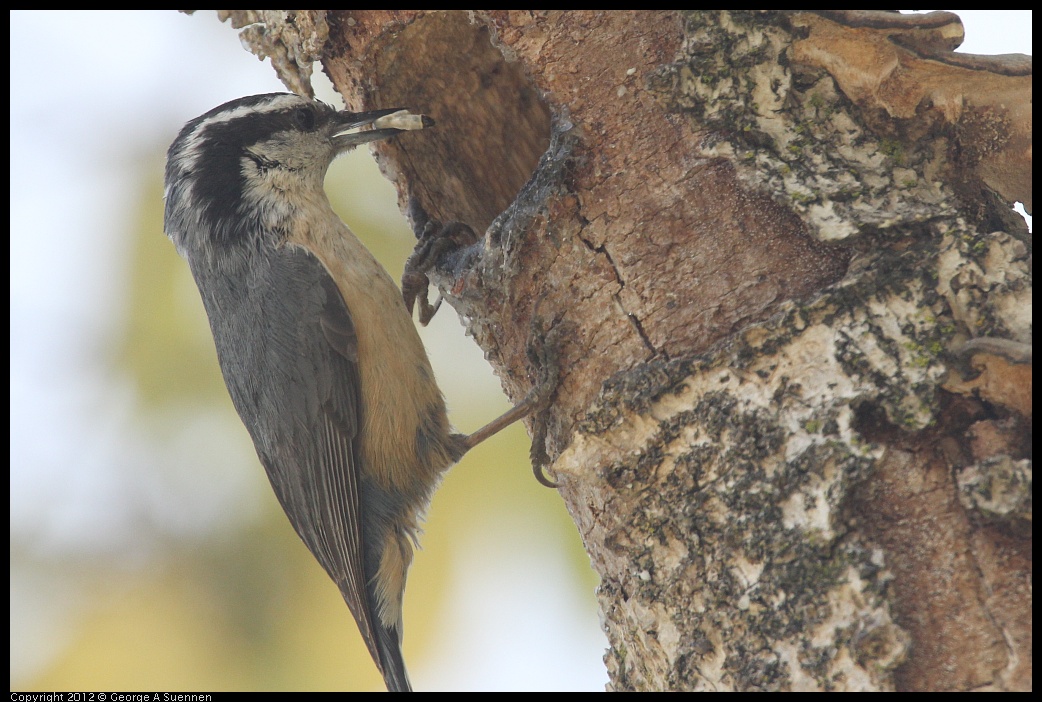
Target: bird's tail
[389, 642]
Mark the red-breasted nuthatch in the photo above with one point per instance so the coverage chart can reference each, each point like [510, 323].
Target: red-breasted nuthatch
[320, 356]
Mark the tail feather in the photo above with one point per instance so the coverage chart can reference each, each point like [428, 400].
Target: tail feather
[389, 642]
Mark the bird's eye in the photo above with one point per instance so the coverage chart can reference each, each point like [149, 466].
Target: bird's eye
[304, 119]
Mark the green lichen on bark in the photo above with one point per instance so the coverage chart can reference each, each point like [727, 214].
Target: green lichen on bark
[723, 483]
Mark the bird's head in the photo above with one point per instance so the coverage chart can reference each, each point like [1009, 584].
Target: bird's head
[243, 167]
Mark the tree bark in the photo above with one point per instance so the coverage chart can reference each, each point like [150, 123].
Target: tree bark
[793, 418]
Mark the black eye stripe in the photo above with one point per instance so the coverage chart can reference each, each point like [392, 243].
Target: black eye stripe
[263, 164]
[304, 119]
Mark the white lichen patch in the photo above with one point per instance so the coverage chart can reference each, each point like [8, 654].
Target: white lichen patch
[987, 282]
[796, 138]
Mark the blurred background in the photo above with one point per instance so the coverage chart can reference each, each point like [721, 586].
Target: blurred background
[147, 549]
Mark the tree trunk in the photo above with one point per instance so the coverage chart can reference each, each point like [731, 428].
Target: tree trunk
[794, 415]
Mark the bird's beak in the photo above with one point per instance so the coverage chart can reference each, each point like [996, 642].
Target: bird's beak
[354, 128]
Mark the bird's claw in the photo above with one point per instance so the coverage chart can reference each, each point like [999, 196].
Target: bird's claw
[544, 353]
[435, 240]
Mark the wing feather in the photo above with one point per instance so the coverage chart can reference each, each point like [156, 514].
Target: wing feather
[298, 392]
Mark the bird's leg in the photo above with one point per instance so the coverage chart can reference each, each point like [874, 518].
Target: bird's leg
[543, 350]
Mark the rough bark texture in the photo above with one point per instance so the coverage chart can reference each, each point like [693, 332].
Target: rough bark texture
[793, 423]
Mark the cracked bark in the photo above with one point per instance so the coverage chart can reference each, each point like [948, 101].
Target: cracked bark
[791, 425]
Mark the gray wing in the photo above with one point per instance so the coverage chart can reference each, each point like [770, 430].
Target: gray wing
[290, 359]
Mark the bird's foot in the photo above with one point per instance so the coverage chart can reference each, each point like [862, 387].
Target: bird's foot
[434, 241]
[545, 338]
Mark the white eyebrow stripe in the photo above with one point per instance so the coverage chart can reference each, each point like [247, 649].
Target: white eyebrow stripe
[189, 151]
